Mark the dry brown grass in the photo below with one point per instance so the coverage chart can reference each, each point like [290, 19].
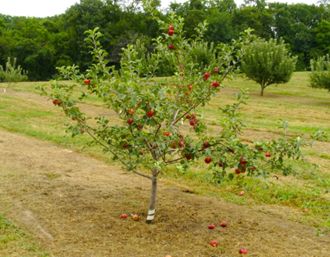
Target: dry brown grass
[72, 204]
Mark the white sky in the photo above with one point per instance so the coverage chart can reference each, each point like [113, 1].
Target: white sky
[43, 8]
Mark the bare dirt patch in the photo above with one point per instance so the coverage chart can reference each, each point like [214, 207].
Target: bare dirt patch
[72, 203]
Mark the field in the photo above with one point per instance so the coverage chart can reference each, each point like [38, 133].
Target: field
[60, 198]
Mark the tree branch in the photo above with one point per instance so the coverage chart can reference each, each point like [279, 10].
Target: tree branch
[142, 175]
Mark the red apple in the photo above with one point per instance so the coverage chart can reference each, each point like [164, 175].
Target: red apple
[130, 121]
[241, 193]
[167, 133]
[268, 154]
[87, 81]
[214, 243]
[190, 87]
[181, 143]
[243, 251]
[242, 161]
[171, 47]
[216, 70]
[123, 216]
[170, 27]
[150, 113]
[223, 224]
[170, 32]
[206, 144]
[57, 102]
[237, 171]
[206, 75]
[211, 226]
[215, 84]
[193, 122]
[131, 111]
[207, 159]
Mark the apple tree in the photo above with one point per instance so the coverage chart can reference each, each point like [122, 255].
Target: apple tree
[267, 62]
[320, 76]
[156, 122]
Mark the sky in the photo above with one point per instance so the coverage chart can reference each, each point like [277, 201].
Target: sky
[44, 8]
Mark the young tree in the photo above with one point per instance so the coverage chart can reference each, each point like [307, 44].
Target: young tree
[158, 122]
[320, 76]
[12, 73]
[267, 62]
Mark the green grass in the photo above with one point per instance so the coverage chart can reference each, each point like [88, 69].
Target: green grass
[14, 242]
[291, 102]
[306, 109]
[304, 191]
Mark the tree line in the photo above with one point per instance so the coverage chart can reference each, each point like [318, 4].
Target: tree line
[42, 44]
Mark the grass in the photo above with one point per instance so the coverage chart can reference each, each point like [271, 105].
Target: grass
[14, 242]
[306, 109]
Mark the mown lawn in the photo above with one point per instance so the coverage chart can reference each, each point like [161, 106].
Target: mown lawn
[307, 111]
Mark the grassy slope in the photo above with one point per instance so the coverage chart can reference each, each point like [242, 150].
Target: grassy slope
[305, 109]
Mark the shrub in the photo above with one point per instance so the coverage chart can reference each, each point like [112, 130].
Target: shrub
[12, 72]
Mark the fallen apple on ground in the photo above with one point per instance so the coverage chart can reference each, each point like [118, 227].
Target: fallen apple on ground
[214, 243]
[223, 224]
[123, 216]
[135, 217]
[57, 102]
[243, 251]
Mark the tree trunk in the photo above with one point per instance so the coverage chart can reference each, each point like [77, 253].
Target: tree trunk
[152, 205]
[262, 91]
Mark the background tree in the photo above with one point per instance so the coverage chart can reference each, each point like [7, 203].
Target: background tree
[256, 15]
[219, 17]
[320, 76]
[322, 37]
[267, 62]
[41, 44]
[296, 24]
